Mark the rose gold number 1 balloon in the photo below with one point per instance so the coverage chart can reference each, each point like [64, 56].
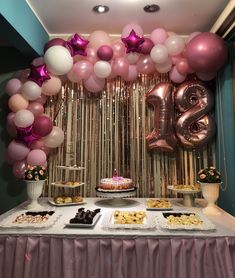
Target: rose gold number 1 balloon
[162, 137]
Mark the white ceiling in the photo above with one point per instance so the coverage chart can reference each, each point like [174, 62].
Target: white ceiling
[65, 17]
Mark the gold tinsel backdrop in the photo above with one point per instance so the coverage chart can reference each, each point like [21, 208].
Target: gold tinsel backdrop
[107, 131]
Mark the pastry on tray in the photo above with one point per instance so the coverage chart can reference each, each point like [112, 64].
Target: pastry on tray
[129, 217]
[71, 183]
[158, 203]
[187, 187]
[68, 199]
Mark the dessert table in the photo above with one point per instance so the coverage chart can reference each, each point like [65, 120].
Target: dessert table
[62, 252]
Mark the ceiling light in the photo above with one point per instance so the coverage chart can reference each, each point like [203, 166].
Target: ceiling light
[151, 8]
[101, 9]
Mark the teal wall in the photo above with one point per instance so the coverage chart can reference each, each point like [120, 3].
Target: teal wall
[225, 143]
[12, 192]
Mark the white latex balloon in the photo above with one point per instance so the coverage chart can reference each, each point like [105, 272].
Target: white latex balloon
[31, 90]
[164, 67]
[174, 44]
[58, 60]
[133, 57]
[23, 118]
[159, 54]
[55, 138]
[102, 69]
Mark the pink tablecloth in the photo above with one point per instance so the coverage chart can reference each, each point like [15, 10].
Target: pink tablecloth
[116, 257]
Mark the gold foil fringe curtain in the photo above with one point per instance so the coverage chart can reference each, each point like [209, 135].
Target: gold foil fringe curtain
[107, 131]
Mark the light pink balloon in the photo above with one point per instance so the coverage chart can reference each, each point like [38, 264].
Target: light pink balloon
[31, 90]
[52, 86]
[183, 67]
[72, 76]
[17, 151]
[39, 144]
[132, 73]
[36, 157]
[17, 102]
[10, 119]
[94, 84]
[133, 58]
[99, 38]
[11, 128]
[83, 69]
[19, 168]
[38, 61]
[132, 26]
[145, 65]
[55, 138]
[13, 86]
[191, 36]
[206, 76]
[118, 49]
[120, 66]
[42, 99]
[36, 108]
[158, 36]
[23, 75]
[91, 55]
[176, 77]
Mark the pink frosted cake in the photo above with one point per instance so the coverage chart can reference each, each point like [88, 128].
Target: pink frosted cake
[115, 184]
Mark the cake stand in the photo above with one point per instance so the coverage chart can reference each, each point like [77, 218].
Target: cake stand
[116, 198]
[188, 195]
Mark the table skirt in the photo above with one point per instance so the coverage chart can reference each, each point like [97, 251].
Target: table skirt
[135, 257]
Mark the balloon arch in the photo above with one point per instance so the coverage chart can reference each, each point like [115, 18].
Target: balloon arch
[93, 60]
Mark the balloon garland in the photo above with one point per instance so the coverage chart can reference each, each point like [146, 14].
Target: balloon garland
[93, 60]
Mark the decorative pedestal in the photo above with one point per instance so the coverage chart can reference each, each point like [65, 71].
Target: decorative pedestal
[210, 192]
[34, 190]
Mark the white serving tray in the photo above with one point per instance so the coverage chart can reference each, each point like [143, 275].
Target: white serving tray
[8, 222]
[59, 184]
[159, 209]
[52, 202]
[108, 222]
[73, 168]
[80, 225]
[207, 225]
[183, 191]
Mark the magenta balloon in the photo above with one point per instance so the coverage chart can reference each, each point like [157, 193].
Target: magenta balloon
[36, 157]
[42, 125]
[176, 77]
[39, 144]
[182, 66]
[105, 53]
[36, 108]
[147, 46]
[19, 168]
[132, 73]
[13, 86]
[206, 52]
[94, 84]
[120, 66]
[206, 76]
[17, 151]
[83, 69]
[145, 65]
[55, 41]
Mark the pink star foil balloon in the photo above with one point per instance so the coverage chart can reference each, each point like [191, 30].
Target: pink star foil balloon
[39, 74]
[77, 45]
[26, 135]
[133, 42]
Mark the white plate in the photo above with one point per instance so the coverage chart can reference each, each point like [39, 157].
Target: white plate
[159, 209]
[183, 191]
[8, 222]
[58, 184]
[80, 225]
[108, 222]
[207, 225]
[74, 168]
[66, 204]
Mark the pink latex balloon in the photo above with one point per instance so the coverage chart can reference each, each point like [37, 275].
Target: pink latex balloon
[17, 102]
[145, 65]
[72, 76]
[55, 138]
[206, 76]
[183, 67]
[158, 36]
[99, 38]
[17, 151]
[176, 58]
[38, 61]
[10, 119]
[91, 55]
[206, 52]
[83, 69]
[52, 86]
[19, 168]
[176, 77]
[42, 99]
[42, 125]
[105, 53]
[13, 86]
[132, 73]
[36, 157]
[191, 36]
[120, 66]
[94, 84]
[39, 144]
[36, 108]
[132, 26]
[23, 75]
[147, 46]
[118, 49]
